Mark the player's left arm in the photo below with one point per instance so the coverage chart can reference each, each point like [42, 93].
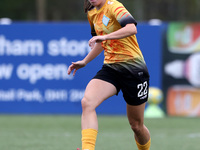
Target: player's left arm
[129, 30]
[127, 22]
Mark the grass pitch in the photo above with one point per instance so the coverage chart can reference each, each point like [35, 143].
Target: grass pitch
[63, 133]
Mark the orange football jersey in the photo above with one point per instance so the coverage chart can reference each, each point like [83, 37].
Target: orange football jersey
[111, 17]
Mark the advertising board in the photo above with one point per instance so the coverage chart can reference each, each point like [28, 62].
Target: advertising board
[34, 58]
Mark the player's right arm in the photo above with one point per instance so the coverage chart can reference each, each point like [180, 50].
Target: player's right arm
[96, 50]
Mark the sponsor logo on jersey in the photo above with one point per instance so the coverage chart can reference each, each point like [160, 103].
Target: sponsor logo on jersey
[105, 20]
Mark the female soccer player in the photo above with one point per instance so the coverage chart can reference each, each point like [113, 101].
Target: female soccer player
[113, 29]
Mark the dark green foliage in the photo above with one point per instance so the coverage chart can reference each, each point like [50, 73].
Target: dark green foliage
[65, 10]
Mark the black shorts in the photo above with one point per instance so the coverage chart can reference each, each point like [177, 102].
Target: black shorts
[135, 87]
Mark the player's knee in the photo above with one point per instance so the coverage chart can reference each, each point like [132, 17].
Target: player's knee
[136, 126]
[86, 104]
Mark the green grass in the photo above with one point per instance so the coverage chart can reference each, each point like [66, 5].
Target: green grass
[63, 133]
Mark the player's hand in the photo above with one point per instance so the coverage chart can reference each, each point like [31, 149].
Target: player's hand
[96, 39]
[75, 66]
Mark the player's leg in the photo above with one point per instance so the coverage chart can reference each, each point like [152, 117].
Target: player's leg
[135, 116]
[96, 92]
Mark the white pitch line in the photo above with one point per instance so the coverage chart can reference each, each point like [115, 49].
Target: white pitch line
[194, 135]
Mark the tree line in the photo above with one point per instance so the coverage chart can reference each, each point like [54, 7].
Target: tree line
[70, 10]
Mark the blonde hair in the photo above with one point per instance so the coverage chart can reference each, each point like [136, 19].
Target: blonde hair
[87, 6]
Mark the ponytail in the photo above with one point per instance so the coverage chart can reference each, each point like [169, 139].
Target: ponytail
[87, 6]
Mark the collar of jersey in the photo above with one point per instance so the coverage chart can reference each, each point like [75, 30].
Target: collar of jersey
[98, 11]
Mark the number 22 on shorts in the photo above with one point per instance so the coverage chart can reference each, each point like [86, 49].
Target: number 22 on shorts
[142, 90]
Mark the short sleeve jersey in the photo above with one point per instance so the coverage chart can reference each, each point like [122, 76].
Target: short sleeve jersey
[112, 17]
